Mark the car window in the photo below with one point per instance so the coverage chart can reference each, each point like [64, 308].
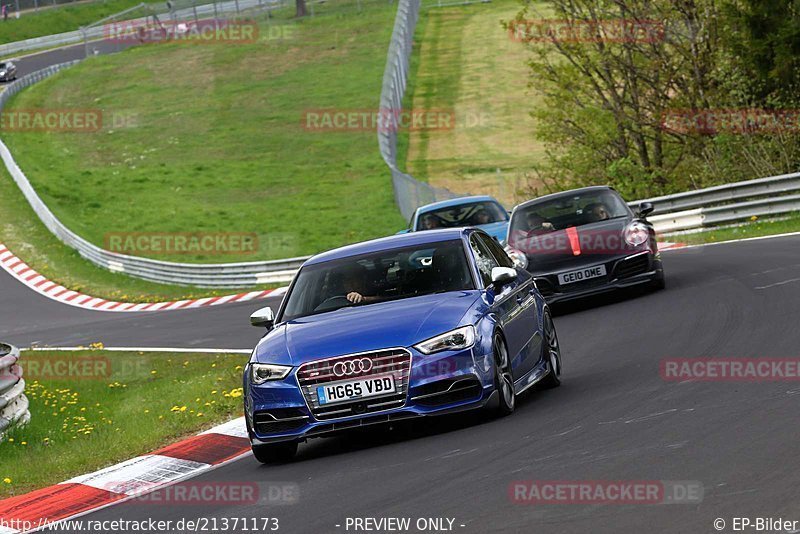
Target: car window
[497, 251]
[378, 277]
[583, 207]
[483, 259]
[469, 214]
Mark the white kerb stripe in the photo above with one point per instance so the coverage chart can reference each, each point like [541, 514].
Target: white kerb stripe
[139, 474]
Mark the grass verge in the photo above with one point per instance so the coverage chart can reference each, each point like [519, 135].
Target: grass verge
[128, 404]
[59, 19]
[755, 228]
[25, 235]
[466, 63]
[209, 138]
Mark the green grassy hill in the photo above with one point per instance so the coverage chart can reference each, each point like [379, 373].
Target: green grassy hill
[211, 138]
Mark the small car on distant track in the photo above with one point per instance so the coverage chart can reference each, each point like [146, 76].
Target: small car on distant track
[585, 241]
[483, 212]
[426, 323]
[8, 71]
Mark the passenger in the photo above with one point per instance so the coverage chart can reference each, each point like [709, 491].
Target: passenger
[483, 217]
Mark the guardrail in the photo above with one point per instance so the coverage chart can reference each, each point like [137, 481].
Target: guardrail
[409, 192]
[100, 31]
[726, 203]
[13, 402]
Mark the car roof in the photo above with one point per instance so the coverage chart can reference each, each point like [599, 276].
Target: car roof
[564, 194]
[455, 202]
[387, 243]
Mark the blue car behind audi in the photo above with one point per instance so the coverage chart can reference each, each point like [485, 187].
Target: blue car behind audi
[425, 323]
[483, 212]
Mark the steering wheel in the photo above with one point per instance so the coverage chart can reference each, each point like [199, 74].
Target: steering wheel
[332, 303]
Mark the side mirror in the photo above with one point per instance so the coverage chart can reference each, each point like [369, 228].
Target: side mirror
[263, 318]
[646, 208]
[502, 276]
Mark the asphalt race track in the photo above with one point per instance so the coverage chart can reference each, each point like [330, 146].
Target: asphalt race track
[614, 417]
[34, 318]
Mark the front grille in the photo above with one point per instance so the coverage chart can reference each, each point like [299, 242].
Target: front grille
[632, 266]
[395, 362]
[279, 420]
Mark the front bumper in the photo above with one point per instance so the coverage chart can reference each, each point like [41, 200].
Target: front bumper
[436, 384]
[622, 272]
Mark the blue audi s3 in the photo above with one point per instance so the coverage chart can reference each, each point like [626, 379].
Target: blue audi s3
[421, 324]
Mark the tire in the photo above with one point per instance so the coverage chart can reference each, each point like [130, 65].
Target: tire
[551, 351]
[503, 379]
[275, 452]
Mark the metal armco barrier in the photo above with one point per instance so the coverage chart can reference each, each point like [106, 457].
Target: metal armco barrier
[13, 402]
[98, 32]
[726, 203]
[694, 209]
[409, 192]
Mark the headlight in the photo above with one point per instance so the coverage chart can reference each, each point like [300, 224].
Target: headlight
[637, 233]
[519, 257]
[460, 338]
[262, 372]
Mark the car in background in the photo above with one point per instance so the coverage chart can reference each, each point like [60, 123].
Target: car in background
[422, 324]
[8, 71]
[483, 212]
[585, 241]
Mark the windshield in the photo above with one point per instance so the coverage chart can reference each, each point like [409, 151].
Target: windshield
[471, 214]
[378, 277]
[563, 212]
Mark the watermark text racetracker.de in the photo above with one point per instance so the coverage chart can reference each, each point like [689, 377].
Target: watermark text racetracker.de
[234, 524]
[64, 366]
[740, 121]
[159, 243]
[391, 120]
[586, 31]
[73, 120]
[201, 31]
[730, 369]
[605, 492]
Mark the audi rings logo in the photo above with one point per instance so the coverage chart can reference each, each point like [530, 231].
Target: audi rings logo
[352, 367]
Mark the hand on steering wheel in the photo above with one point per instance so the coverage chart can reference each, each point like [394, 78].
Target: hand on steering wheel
[354, 297]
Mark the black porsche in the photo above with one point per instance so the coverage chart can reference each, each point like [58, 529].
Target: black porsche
[585, 241]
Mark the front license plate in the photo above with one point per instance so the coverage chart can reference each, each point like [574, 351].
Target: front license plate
[582, 274]
[355, 389]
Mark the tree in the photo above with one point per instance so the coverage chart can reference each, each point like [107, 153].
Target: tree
[300, 8]
[609, 74]
[765, 40]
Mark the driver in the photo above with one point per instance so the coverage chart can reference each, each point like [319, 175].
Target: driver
[597, 211]
[354, 285]
[537, 223]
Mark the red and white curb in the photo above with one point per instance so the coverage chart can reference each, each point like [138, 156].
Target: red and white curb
[666, 245]
[127, 480]
[22, 272]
